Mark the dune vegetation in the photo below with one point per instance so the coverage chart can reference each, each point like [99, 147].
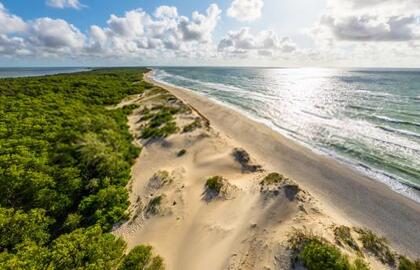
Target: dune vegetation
[65, 159]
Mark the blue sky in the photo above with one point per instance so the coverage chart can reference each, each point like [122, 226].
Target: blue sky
[234, 32]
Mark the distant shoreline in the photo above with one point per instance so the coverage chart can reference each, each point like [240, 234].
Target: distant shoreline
[341, 188]
[38, 71]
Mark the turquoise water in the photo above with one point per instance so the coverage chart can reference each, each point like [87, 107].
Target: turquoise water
[368, 118]
[38, 71]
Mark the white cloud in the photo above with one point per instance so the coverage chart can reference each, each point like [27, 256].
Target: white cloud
[265, 43]
[138, 31]
[10, 23]
[55, 34]
[373, 28]
[166, 11]
[131, 25]
[367, 33]
[136, 34]
[245, 10]
[200, 26]
[12, 46]
[65, 4]
[373, 20]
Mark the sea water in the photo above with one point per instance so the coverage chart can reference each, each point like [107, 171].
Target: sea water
[369, 118]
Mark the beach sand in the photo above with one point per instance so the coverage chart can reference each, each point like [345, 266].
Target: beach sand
[248, 227]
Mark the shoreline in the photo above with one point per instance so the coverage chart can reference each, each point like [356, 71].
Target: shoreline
[405, 188]
[340, 188]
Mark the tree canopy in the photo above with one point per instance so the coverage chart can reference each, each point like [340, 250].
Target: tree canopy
[65, 159]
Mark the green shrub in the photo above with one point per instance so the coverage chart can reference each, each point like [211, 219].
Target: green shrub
[162, 132]
[377, 245]
[343, 236]
[86, 249]
[153, 205]
[359, 264]
[141, 258]
[317, 255]
[107, 207]
[407, 264]
[273, 179]
[215, 183]
[160, 118]
[17, 227]
[193, 126]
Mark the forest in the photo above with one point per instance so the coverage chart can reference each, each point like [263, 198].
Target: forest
[65, 159]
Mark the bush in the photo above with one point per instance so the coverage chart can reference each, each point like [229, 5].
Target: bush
[193, 126]
[107, 207]
[359, 264]
[86, 249]
[317, 255]
[273, 179]
[141, 258]
[406, 264]
[377, 245]
[17, 227]
[154, 203]
[343, 236]
[215, 183]
[161, 132]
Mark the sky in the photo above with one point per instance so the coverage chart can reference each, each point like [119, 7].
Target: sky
[280, 33]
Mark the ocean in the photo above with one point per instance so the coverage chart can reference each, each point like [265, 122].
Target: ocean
[367, 118]
[37, 71]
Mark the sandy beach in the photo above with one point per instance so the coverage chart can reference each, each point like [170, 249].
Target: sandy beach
[356, 197]
[248, 223]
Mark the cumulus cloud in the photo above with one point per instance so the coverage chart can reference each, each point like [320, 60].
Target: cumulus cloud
[265, 43]
[10, 23]
[75, 4]
[134, 34]
[373, 28]
[165, 30]
[166, 11]
[12, 46]
[54, 34]
[367, 32]
[372, 20]
[245, 10]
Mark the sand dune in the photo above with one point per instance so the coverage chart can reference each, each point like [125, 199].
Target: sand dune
[247, 227]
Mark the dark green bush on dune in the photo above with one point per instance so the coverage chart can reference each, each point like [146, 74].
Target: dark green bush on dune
[318, 255]
[141, 258]
[214, 183]
[65, 158]
[407, 264]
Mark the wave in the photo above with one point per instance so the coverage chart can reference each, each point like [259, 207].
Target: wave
[325, 117]
[218, 86]
[402, 132]
[396, 121]
[358, 107]
[375, 93]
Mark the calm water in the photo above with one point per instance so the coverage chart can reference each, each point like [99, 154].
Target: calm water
[40, 71]
[368, 118]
